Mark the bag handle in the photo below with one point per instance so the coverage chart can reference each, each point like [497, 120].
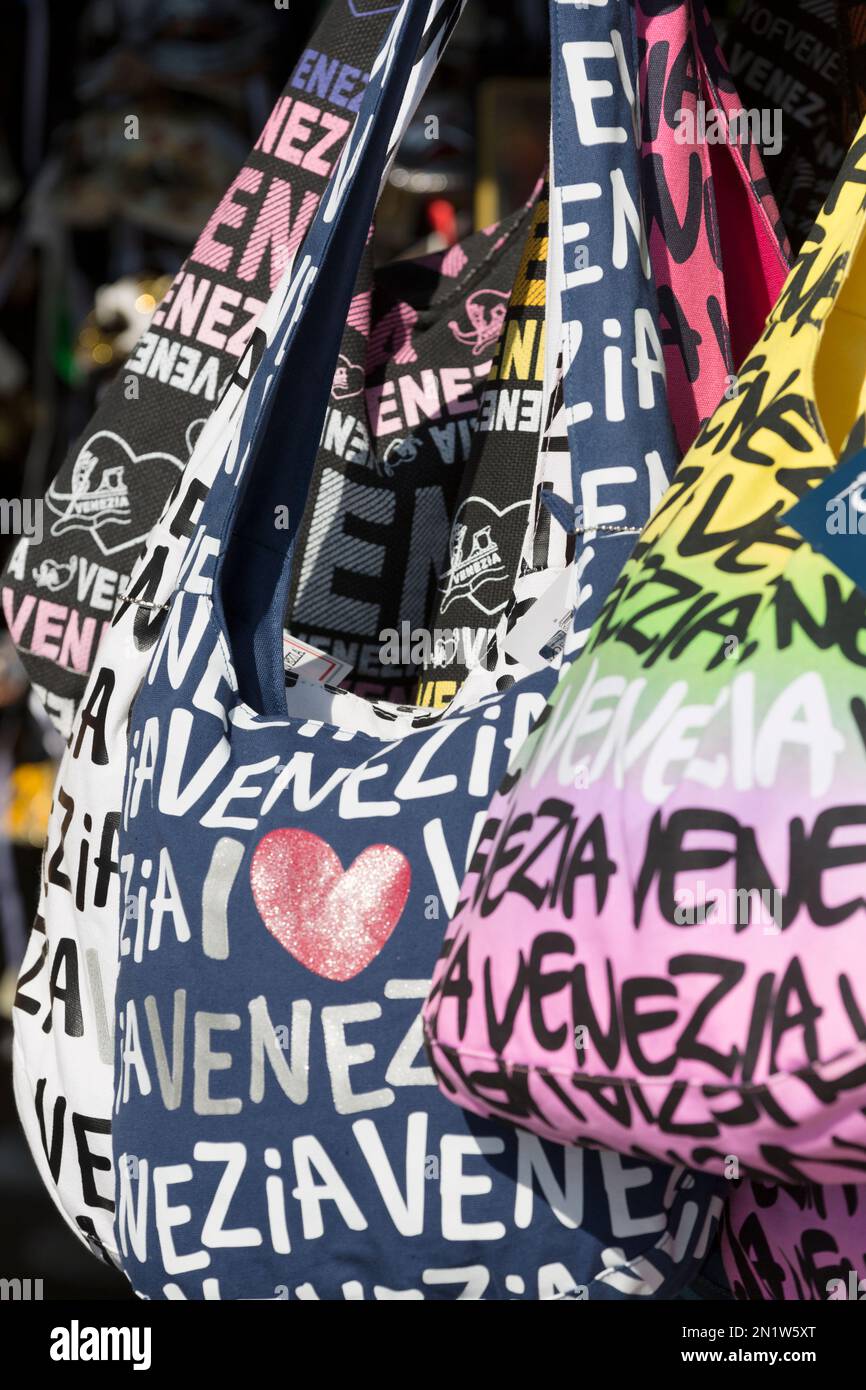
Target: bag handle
[266, 475]
[289, 392]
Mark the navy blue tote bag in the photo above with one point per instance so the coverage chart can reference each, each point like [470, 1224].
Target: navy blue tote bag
[289, 857]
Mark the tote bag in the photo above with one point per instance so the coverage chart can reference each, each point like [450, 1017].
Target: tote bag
[805, 1243]
[658, 946]
[802, 64]
[64, 1023]
[420, 334]
[317, 939]
[323, 939]
[400, 424]
[719, 259]
[58, 595]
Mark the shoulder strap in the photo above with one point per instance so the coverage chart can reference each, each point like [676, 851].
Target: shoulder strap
[597, 395]
[267, 470]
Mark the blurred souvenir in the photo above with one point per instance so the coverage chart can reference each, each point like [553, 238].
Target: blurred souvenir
[120, 315]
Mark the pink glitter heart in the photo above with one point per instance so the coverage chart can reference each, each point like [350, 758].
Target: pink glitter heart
[334, 921]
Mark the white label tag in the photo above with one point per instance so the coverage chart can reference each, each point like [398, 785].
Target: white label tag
[540, 634]
[311, 664]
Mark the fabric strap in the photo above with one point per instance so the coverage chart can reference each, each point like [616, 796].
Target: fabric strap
[605, 404]
[269, 471]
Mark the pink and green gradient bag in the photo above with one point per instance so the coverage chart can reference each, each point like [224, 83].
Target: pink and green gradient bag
[659, 944]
